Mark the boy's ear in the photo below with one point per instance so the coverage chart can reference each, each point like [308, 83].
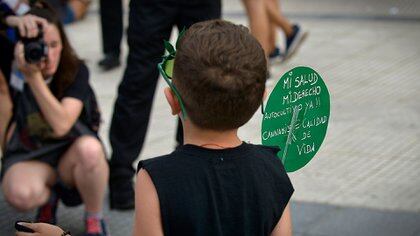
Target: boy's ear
[173, 101]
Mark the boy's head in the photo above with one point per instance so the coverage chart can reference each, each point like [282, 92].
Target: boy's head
[220, 72]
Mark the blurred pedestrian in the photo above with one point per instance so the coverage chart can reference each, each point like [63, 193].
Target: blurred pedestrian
[150, 23]
[265, 18]
[112, 32]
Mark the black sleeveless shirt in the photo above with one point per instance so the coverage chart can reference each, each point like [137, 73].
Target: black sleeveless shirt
[235, 191]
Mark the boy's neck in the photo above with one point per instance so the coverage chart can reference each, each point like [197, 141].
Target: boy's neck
[210, 138]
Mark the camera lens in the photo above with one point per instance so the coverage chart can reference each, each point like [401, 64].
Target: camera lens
[35, 48]
[34, 52]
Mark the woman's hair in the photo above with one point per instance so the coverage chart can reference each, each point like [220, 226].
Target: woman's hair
[69, 62]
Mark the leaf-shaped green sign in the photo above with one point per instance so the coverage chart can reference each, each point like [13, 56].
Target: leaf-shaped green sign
[296, 117]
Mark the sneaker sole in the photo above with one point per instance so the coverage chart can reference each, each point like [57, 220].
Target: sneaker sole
[295, 46]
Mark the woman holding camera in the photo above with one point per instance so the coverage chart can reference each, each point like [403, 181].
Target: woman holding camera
[51, 147]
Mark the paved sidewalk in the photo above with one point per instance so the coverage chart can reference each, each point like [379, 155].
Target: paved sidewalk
[365, 179]
[309, 219]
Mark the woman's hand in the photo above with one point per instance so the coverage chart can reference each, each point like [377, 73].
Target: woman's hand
[27, 24]
[41, 229]
[29, 70]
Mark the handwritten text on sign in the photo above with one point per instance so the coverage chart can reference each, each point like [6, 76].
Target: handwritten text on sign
[296, 117]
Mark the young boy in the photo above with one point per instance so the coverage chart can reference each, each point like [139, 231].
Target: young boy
[215, 184]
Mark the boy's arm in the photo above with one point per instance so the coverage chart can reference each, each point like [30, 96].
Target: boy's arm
[147, 221]
[284, 226]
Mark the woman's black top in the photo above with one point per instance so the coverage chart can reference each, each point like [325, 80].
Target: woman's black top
[236, 191]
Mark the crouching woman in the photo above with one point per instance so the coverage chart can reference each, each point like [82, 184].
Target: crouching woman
[51, 149]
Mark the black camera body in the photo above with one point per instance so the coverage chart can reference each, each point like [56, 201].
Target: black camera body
[35, 48]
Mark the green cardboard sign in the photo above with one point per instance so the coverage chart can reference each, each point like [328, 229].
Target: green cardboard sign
[296, 117]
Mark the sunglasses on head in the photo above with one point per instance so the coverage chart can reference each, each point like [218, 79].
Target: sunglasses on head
[166, 69]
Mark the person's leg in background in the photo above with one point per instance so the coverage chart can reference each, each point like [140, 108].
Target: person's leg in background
[196, 12]
[275, 16]
[275, 53]
[293, 32]
[179, 136]
[261, 27]
[27, 185]
[259, 22]
[149, 25]
[85, 167]
[112, 25]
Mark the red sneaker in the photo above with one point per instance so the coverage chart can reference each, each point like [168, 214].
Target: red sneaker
[47, 212]
[96, 227]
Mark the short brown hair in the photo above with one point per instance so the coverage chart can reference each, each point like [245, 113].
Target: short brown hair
[220, 71]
